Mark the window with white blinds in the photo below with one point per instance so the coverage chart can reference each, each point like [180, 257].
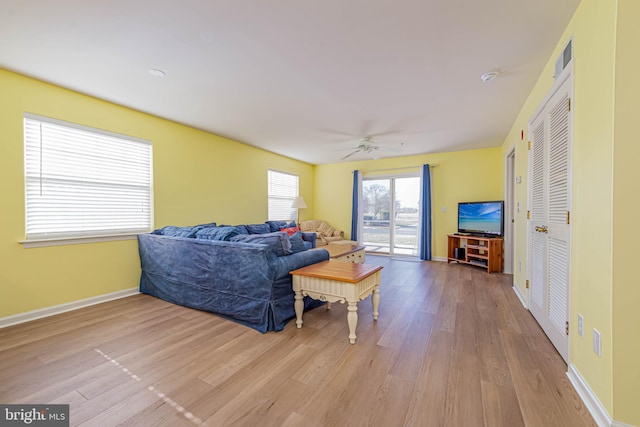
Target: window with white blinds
[84, 182]
[283, 189]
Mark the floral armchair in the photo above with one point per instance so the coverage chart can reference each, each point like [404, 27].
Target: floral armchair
[324, 232]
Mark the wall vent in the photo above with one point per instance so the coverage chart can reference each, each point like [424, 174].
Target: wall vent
[564, 59]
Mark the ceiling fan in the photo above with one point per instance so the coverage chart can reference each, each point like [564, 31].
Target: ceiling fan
[369, 146]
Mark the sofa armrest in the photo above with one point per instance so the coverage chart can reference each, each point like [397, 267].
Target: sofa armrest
[284, 264]
[310, 237]
[338, 233]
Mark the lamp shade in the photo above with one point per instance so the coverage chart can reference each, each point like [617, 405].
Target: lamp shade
[298, 202]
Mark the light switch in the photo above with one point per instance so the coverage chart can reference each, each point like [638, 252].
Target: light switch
[444, 209]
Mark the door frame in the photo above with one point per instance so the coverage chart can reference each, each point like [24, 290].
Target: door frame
[392, 184]
[509, 191]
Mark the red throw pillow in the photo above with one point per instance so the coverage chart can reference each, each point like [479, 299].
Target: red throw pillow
[290, 230]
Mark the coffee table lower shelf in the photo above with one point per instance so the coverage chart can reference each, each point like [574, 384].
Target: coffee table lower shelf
[334, 281]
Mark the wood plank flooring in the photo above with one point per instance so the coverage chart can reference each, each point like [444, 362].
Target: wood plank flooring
[453, 347]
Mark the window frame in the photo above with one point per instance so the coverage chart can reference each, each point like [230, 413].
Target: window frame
[77, 236]
[270, 196]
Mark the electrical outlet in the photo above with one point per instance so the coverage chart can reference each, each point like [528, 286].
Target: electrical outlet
[597, 342]
[580, 325]
[444, 209]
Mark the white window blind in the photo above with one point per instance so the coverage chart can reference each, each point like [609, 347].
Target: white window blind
[283, 189]
[84, 182]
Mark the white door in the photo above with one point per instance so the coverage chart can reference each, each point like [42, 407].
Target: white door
[549, 239]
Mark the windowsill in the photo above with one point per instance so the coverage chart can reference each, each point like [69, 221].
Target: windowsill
[60, 241]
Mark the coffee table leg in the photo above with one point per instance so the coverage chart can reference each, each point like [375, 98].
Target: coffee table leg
[375, 301]
[352, 320]
[298, 305]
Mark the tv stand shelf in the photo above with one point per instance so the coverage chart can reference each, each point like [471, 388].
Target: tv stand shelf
[485, 252]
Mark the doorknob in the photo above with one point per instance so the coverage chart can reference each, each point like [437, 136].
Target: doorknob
[542, 229]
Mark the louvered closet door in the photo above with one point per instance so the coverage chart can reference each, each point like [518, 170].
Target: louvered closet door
[549, 223]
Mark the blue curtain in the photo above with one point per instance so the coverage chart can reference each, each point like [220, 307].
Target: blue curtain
[355, 200]
[425, 218]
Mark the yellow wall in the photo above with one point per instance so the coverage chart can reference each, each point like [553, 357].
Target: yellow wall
[459, 176]
[594, 44]
[626, 175]
[593, 28]
[198, 177]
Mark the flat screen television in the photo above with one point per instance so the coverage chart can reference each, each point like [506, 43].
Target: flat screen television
[481, 218]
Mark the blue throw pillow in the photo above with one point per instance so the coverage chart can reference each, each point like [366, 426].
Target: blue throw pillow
[216, 233]
[209, 224]
[278, 242]
[276, 225]
[173, 231]
[297, 244]
[241, 229]
[258, 228]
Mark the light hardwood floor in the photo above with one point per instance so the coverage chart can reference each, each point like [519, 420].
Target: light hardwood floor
[453, 347]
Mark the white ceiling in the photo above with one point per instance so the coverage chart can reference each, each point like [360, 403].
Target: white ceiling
[302, 78]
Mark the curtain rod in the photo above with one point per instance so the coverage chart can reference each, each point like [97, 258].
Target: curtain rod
[395, 169]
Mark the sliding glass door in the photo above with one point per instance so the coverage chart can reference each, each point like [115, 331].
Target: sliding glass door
[390, 214]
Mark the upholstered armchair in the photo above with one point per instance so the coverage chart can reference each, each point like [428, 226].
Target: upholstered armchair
[324, 232]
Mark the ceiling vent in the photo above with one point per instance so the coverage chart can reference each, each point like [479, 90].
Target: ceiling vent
[564, 59]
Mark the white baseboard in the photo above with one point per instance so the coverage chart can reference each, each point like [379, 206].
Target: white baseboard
[57, 309]
[439, 259]
[619, 424]
[521, 297]
[595, 408]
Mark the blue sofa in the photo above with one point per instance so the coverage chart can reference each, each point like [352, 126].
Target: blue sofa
[246, 280]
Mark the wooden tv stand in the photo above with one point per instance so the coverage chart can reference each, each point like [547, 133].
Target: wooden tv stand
[485, 252]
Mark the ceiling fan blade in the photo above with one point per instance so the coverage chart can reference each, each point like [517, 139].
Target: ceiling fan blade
[349, 155]
[390, 148]
[379, 134]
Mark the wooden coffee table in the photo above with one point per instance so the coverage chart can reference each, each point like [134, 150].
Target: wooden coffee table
[345, 253]
[334, 281]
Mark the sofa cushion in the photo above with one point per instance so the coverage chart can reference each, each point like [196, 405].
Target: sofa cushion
[258, 228]
[297, 244]
[310, 225]
[277, 225]
[173, 231]
[216, 233]
[208, 224]
[241, 229]
[278, 242]
[326, 230]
